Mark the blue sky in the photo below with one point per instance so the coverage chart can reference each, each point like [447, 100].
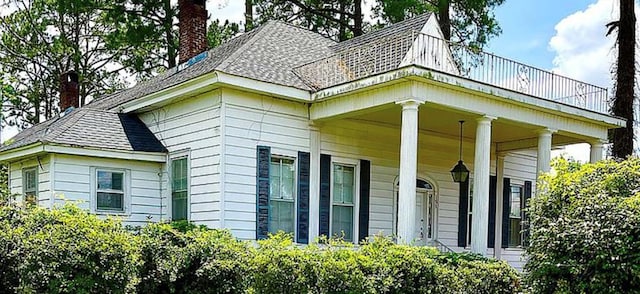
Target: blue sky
[528, 26]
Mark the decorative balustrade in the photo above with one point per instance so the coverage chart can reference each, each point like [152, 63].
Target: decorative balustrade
[423, 50]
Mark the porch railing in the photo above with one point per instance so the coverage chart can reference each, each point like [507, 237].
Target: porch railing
[438, 245]
[430, 52]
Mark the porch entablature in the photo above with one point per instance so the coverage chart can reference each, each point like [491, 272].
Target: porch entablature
[451, 93]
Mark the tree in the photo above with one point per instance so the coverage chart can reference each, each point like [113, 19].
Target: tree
[101, 40]
[336, 19]
[470, 22]
[625, 78]
[585, 235]
[248, 15]
[219, 33]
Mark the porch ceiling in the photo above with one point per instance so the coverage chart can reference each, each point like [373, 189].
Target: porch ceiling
[441, 120]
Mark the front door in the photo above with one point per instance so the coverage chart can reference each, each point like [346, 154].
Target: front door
[425, 216]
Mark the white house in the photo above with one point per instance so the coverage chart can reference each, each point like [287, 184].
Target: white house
[283, 129]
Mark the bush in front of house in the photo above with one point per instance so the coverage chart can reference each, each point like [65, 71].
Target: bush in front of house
[67, 250]
[380, 266]
[585, 229]
[191, 259]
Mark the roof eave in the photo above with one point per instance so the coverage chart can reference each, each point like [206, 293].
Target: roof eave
[39, 148]
[212, 81]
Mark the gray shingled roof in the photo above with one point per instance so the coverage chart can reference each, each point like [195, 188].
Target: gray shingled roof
[86, 127]
[404, 27]
[268, 53]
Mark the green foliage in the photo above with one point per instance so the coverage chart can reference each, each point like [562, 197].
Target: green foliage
[472, 22]
[585, 229]
[68, 250]
[196, 261]
[218, 33]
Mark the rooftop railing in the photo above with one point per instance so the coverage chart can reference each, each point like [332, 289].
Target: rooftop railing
[423, 50]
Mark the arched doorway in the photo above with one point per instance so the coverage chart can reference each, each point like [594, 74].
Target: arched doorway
[426, 212]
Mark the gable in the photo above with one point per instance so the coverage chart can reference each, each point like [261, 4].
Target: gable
[430, 50]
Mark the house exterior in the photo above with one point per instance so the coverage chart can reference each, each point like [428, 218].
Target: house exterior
[283, 129]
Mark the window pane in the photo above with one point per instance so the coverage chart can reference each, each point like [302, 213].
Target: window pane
[515, 201]
[30, 180]
[288, 180]
[514, 233]
[342, 222]
[110, 201]
[281, 217]
[179, 174]
[110, 180]
[179, 205]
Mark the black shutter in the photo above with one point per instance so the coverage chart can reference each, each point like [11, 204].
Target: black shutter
[525, 218]
[491, 233]
[304, 160]
[506, 210]
[365, 179]
[325, 194]
[263, 157]
[463, 213]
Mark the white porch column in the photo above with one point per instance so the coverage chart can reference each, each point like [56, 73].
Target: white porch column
[544, 152]
[408, 170]
[596, 151]
[481, 173]
[314, 182]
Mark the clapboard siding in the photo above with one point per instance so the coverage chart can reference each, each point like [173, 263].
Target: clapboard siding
[520, 166]
[193, 125]
[41, 163]
[251, 120]
[74, 176]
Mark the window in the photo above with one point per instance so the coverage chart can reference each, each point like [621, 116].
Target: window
[30, 185]
[343, 204]
[179, 188]
[515, 217]
[110, 190]
[282, 190]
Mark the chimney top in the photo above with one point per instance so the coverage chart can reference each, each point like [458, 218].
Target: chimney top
[192, 24]
[69, 92]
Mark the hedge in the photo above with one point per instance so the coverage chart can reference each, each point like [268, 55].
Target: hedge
[585, 229]
[68, 250]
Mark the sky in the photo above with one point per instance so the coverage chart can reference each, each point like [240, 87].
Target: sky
[564, 36]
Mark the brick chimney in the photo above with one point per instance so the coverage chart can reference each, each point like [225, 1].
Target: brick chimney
[69, 93]
[192, 17]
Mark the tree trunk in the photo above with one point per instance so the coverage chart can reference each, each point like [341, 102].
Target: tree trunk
[168, 33]
[342, 31]
[625, 80]
[444, 19]
[248, 15]
[357, 18]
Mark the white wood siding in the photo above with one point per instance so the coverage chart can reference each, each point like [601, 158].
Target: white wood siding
[520, 166]
[193, 125]
[251, 120]
[41, 163]
[74, 175]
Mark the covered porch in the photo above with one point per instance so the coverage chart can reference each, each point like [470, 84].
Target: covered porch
[406, 123]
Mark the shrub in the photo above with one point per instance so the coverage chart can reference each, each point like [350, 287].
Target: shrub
[66, 250]
[193, 260]
[585, 234]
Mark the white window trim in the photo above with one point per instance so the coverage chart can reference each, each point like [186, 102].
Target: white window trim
[24, 191]
[356, 195]
[175, 156]
[126, 189]
[295, 190]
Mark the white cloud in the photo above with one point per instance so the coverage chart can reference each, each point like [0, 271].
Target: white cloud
[582, 50]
